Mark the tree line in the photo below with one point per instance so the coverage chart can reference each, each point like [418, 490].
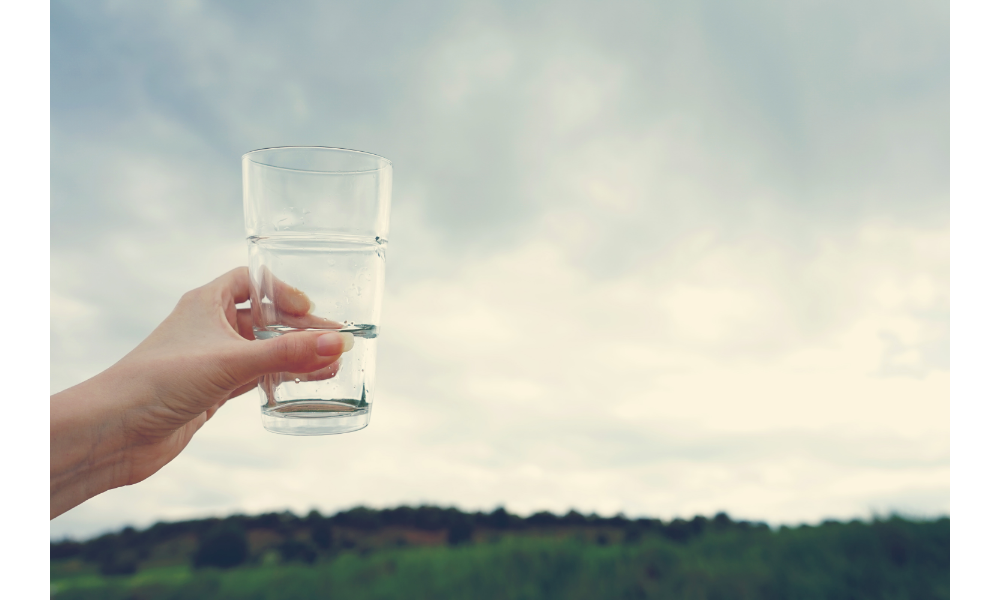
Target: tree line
[431, 552]
[223, 542]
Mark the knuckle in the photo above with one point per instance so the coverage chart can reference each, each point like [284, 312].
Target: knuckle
[294, 350]
[189, 298]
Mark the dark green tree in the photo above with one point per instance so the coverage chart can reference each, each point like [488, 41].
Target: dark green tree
[224, 546]
[298, 550]
[460, 530]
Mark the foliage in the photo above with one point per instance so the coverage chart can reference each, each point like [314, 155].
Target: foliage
[224, 545]
[428, 552]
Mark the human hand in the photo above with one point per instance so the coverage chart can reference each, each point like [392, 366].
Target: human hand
[126, 423]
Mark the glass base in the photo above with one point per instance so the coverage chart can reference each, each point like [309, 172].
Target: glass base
[316, 424]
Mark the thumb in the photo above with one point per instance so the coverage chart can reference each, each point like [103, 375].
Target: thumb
[301, 352]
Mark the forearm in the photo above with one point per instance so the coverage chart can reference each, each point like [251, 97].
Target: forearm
[86, 442]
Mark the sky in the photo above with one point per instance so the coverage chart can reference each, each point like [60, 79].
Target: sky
[658, 258]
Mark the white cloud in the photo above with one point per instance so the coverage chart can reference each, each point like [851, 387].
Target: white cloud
[511, 382]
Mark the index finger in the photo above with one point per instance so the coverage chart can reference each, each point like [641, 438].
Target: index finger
[236, 283]
[287, 299]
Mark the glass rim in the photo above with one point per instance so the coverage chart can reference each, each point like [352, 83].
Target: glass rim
[248, 156]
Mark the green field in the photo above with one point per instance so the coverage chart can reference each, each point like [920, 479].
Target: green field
[443, 553]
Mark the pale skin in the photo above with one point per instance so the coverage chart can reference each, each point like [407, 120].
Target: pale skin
[126, 423]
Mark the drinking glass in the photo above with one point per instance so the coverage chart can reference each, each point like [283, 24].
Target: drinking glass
[316, 224]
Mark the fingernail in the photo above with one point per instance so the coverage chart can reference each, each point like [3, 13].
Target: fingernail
[330, 344]
[297, 302]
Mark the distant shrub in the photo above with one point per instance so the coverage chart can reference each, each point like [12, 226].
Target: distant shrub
[296, 550]
[64, 549]
[401, 516]
[283, 523]
[321, 535]
[359, 518]
[460, 531]
[313, 517]
[618, 520]
[678, 530]
[721, 521]
[542, 519]
[632, 533]
[124, 563]
[698, 524]
[498, 519]
[271, 520]
[224, 546]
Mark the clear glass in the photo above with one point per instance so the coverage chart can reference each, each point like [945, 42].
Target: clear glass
[317, 220]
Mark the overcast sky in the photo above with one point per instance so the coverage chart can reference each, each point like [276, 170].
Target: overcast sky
[664, 258]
